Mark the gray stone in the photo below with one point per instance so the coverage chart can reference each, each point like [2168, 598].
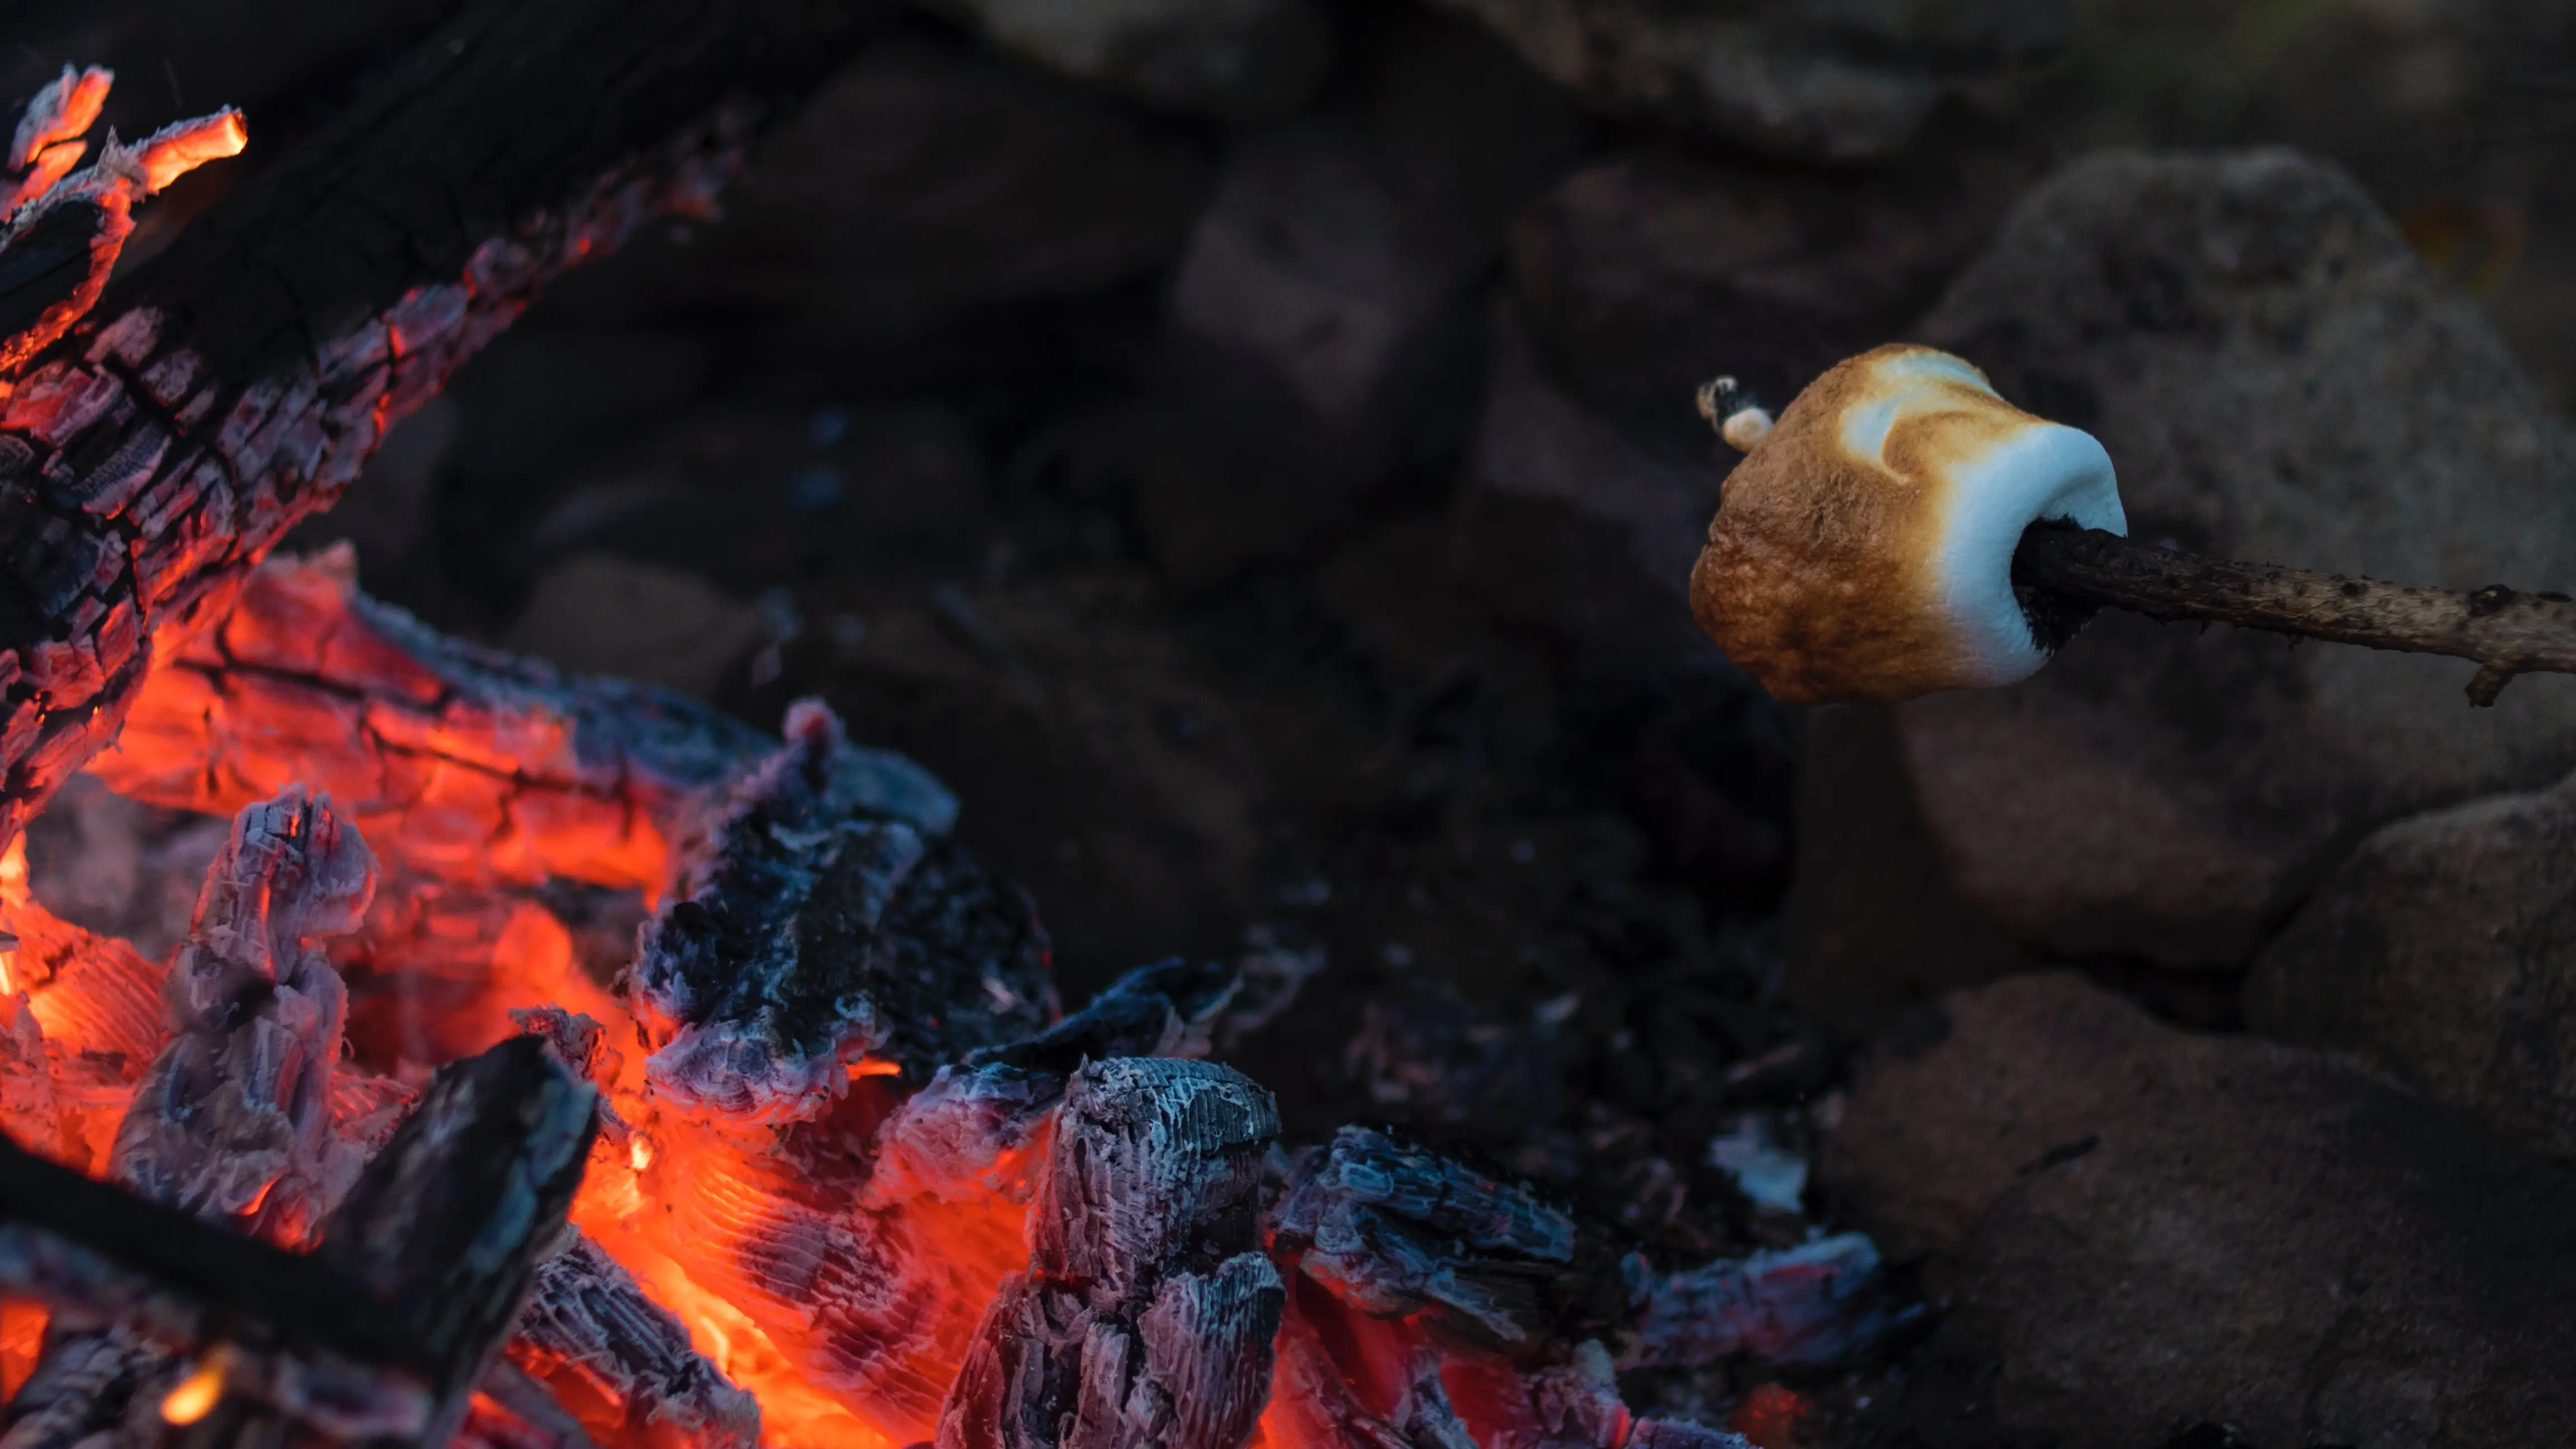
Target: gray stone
[1654, 269]
[2444, 954]
[1325, 293]
[2277, 378]
[599, 614]
[923, 183]
[1230, 58]
[1847, 80]
[2144, 1227]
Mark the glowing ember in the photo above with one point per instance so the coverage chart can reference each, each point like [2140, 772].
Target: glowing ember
[197, 1394]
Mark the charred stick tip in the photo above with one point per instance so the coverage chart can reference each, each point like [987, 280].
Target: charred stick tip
[2503, 631]
[1730, 408]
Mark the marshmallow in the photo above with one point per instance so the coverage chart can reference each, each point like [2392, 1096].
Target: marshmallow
[1863, 548]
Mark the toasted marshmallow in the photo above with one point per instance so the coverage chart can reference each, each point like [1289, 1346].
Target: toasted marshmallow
[1863, 548]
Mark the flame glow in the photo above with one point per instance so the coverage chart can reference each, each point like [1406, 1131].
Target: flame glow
[837, 1290]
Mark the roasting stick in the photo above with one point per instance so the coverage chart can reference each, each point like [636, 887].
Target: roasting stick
[1900, 529]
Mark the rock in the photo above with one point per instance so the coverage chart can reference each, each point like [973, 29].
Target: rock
[1536, 444]
[1325, 290]
[1840, 82]
[752, 496]
[1231, 58]
[2443, 952]
[599, 614]
[1654, 269]
[2144, 1228]
[925, 182]
[1871, 924]
[2277, 378]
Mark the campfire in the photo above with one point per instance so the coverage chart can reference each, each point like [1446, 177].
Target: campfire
[556, 1061]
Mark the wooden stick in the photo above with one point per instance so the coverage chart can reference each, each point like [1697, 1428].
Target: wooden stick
[2503, 631]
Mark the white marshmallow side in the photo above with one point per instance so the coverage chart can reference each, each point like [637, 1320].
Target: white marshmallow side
[2043, 471]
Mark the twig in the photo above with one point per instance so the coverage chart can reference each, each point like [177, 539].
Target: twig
[2503, 631]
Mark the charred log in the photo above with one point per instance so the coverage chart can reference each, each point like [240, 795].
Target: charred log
[382, 1332]
[1392, 1230]
[623, 1361]
[466, 764]
[446, 1225]
[109, 1255]
[955, 1135]
[233, 1120]
[826, 924]
[156, 451]
[1147, 1314]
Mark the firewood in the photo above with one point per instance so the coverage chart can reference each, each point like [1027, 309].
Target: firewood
[1394, 1231]
[156, 451]
[463, 763]
[588, 1321]
[1147, 1312]
[827, 925]
[446, 1224]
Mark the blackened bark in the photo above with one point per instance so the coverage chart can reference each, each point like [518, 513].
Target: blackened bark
[238, 381]
[447, 1223]
[1148, 1312]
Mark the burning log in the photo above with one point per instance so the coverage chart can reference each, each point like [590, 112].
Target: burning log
[622, 1362]
[80, 1021]
[823, 945]
[467, 765]
[154, 451]
[509, 1410]
[381, 1333]
[65, 228]
[1147, 1312]
[969, 1131]
[233, 1120]
[238, 1105]
[446, 1224]
[826, 928]
[500, 794]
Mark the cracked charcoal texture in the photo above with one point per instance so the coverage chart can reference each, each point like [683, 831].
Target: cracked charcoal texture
[446, 1223]
[156, 452]
[1393, 1230]
[824, 917]
[955, 1134]
[232, 1121]
[1148, 1312]
[587, 1322]
[467, 764]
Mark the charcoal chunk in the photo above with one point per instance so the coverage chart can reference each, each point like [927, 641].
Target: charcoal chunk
[587, 1320]
[1147, 1314]
[819, 924]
